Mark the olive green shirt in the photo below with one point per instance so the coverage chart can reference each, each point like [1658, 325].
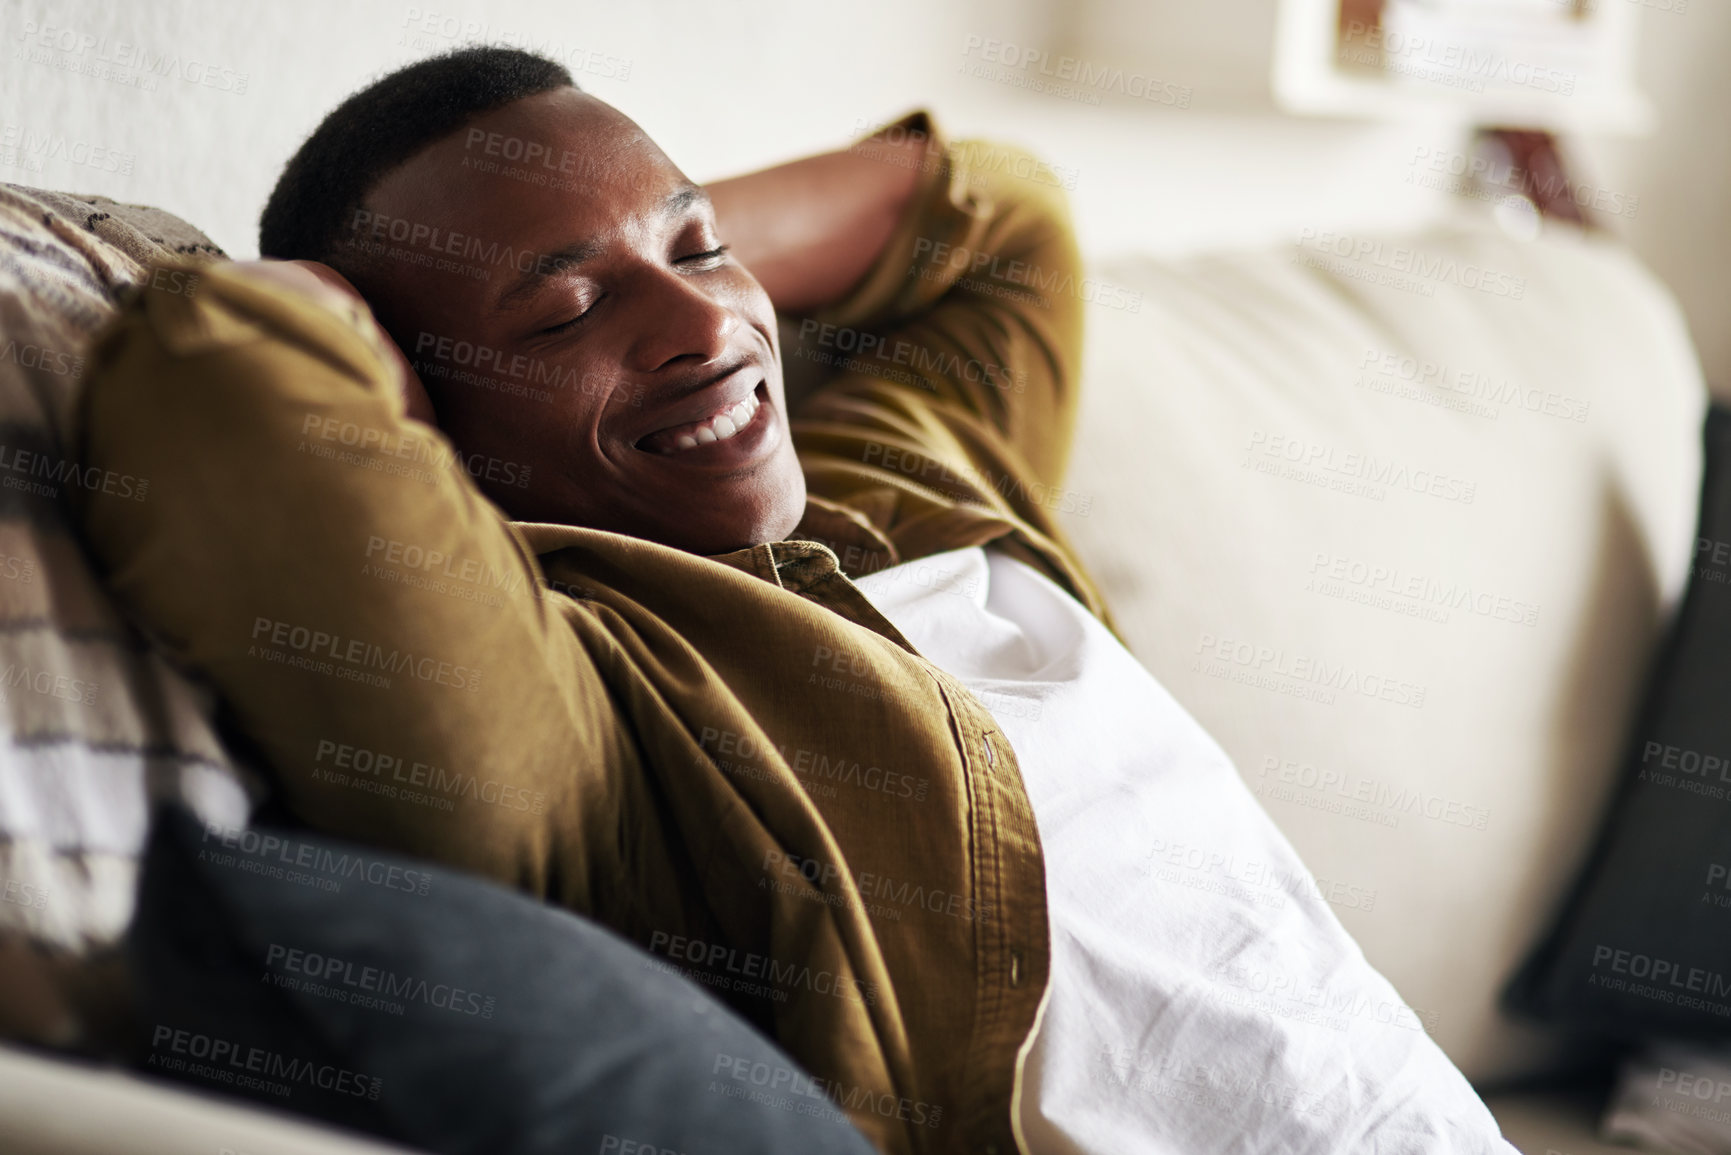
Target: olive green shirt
[734, 761]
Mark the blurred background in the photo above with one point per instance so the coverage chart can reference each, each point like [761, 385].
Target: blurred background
[1178, 126]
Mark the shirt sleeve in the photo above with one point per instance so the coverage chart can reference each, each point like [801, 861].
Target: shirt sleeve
[379, 632]
[966, 331]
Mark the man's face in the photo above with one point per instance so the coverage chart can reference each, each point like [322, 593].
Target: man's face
[590, 332]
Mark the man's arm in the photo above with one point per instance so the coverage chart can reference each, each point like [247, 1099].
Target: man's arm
[323, 284]
[810, 230]
[938, 300]
[330, 568]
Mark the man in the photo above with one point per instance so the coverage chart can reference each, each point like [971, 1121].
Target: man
[738, 672]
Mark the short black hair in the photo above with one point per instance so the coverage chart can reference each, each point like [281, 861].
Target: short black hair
[380, 127]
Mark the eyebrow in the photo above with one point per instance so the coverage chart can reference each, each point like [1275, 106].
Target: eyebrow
[562, 260]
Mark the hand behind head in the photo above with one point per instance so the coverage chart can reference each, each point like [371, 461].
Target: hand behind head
[332, 289]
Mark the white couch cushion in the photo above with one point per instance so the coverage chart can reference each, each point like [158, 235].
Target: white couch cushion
[1399, 520]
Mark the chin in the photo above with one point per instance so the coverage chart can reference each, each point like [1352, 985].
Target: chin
[751, 524]
[749, 516]
[745, 536]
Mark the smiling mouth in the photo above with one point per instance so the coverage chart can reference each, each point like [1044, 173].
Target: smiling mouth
[727, 422]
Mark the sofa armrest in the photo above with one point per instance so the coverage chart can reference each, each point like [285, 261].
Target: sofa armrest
[1552, 1122]
[50, 1106]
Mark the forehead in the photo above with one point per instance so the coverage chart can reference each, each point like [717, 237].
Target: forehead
[540, 173]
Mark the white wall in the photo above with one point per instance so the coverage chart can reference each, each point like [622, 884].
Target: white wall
[728, 84]
[1682, 173]
[722, 84]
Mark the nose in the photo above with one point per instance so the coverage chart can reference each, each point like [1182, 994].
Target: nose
[676, 318]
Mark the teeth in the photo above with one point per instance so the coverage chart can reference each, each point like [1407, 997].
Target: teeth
[723, 425]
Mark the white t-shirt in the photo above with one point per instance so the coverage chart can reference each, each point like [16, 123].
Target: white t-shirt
[1203, 996]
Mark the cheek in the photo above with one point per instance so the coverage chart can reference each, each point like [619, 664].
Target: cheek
[749, 300]
[586, 406]
[517, 418]
[574, 426]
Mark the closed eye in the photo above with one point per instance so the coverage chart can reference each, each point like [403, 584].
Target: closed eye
[567, 326]
[712, 256]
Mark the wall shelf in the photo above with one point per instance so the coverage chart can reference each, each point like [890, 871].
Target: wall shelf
[1563, 65]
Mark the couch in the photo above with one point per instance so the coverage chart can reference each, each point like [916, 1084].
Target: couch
[1400, 519]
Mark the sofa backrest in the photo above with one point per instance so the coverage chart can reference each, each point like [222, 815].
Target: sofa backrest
[1400, 519]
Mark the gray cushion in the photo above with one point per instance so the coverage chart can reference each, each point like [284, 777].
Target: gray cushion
[1643, 948]
[440, 1010]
